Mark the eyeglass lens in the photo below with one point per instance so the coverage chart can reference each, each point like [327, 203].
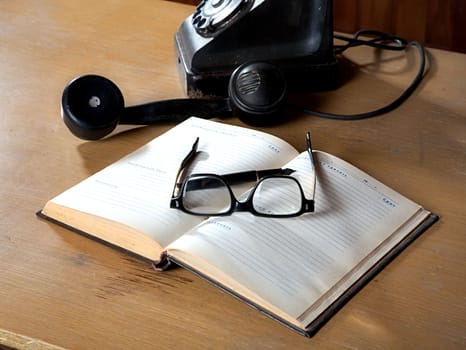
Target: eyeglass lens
[207, 195]
[277, 196]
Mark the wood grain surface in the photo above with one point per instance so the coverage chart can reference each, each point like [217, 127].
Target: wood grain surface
[60, 288]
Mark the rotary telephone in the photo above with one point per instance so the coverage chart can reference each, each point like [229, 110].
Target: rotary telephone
[237, 56]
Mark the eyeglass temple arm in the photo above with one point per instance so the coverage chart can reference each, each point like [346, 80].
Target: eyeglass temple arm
[190, 155]
[313, 163]
[254, 175]
[184, 164]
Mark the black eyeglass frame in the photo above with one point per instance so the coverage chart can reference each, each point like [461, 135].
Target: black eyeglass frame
[307, 205]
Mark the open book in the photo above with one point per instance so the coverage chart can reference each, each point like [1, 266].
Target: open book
[297, 270]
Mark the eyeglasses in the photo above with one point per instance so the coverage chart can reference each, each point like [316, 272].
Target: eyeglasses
[276, 193]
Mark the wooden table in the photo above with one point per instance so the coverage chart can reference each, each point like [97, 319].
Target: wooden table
[60, 288]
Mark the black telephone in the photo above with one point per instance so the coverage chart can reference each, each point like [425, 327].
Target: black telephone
[241, 57]
[294, 35]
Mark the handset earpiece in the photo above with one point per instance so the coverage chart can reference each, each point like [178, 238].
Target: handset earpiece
[92, 106]
[258, 93]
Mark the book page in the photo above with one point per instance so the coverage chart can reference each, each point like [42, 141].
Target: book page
[136, 190]
[290, 264]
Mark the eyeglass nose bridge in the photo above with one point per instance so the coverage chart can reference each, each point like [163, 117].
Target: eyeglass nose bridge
[242, 206]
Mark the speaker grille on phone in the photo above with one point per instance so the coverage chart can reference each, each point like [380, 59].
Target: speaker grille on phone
[248, 82]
